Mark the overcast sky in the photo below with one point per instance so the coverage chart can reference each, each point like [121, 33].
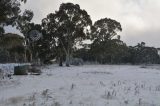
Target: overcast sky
[140, 19]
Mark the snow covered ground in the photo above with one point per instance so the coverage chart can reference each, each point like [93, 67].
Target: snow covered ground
[88, 85]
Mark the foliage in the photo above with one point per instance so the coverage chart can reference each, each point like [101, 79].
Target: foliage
[23, 22]
[143, 54]
[13, 45]
[10, 40]
[62, 31]
[104, 48]
[111, 51]
[9, 11]
[4, 56]
[67, 26]
[105, 29]
[84, 53]
[11, 15]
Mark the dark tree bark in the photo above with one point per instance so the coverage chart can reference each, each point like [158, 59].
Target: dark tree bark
[60, 61]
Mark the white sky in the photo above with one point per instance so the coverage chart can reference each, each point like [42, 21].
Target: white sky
[139, 18]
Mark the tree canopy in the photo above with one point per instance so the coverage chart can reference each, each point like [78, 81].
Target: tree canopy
[9, 11]
[105, 29]
[68, 25]
[10, 40]
[62, 31]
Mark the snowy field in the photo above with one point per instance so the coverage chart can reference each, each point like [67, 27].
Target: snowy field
[88, 85]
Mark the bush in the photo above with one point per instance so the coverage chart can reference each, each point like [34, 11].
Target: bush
[76, 61]
[4, 56]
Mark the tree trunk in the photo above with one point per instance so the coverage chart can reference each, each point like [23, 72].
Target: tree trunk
[31, 56]
[60, 61]
[15, 57]
[8, 57]
[67, 60]
[25, 54]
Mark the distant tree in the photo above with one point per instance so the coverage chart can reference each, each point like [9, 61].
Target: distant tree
[13, 45]
[144, 54]
[104, 47]
[105, 29]
[67, 26]
[10, 40]
[112, 51]
[4, 56]
[17, 54]
[84, 54]
[119, 51]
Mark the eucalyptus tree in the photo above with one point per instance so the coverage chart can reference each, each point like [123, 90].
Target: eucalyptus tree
[103, 31]
[23, 22]
[67, 26]
[24, 26]
[145, 54]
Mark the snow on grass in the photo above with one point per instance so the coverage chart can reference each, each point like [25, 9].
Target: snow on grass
[88, 85]
[9, 68]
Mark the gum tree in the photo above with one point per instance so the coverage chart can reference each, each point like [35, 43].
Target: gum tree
[103, 32]
[69, 25]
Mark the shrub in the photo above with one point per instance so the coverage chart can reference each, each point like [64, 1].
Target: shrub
[76, 61]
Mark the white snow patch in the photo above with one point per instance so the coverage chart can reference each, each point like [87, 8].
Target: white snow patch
[88, 85]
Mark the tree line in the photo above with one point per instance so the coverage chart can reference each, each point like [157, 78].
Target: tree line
[63, 35]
